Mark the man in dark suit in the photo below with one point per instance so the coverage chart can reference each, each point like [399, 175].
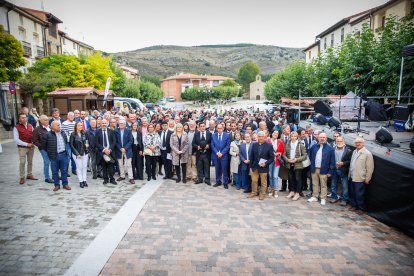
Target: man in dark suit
[106, 141]
[245, 160]
[123, 151]
[201, 145]
[85, 123]
[220, 145]
[165, 136]
[262, 157]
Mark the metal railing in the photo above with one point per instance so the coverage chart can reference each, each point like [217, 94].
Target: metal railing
[27, 48]
[40, 52]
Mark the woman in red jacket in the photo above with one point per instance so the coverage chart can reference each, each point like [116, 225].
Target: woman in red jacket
[278, 148]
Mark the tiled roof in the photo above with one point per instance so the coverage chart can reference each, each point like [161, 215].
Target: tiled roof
[102, 92]
[72, 91]
[194, 76]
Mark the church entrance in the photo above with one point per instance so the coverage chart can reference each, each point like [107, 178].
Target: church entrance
[257, 97]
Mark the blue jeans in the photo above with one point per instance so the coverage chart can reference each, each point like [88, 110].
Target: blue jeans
[246, 180]
[274, 176]
[46, 164]
[236, 178]
[338, 175]
[70, 159]
[60, 163]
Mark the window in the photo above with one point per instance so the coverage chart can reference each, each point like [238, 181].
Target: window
[35, 26]
[310, 54]
[63, 41]
[57, 50]
[342, 34]
[383, 21]
[36, 39]
[74, 45]
[53, 30]
[21, 20]
[332, 40]
[22, 34]
[324, 43]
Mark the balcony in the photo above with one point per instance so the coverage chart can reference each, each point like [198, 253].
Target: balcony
[40, 52]
[27, 48]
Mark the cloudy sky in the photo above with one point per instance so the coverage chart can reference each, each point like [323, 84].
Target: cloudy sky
[123, 25]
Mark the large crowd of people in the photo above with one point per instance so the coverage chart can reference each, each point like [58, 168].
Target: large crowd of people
[249, 150]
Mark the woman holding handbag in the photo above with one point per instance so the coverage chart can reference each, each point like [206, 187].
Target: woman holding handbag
[294, 155]
[279, 149]
[152, 151]
[179, 151]
[79, 145]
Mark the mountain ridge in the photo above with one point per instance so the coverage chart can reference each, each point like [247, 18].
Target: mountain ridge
[216, 59]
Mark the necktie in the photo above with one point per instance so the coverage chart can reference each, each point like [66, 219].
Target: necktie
[83, 125]
[163, 140]
[105, 143]
[286, 139]
[202, 137]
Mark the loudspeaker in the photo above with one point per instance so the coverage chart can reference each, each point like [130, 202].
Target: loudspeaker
[412, 145]
[383, 136]
[322, 108]
[334, 122]
[320, 119]
[401, 112]
[291, 116]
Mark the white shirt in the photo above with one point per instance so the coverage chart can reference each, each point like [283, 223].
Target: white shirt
[247, 150]
[164, 133]
[318, 158]
[293, 146]
[105, 137]
[17, 139]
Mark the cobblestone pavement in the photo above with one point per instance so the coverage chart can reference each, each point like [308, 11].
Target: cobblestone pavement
[188, 229]
[43, 232]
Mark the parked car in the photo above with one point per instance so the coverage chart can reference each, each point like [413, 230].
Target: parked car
[132, 103]
[150, 106]
[163, 101]
[233, 100]
[171, 99]
[179, 106]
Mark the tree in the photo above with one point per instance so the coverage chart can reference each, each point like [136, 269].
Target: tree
[247, 74]
[11, 57]
[288, 82]
[229, 82]
[150, 92]
[149, 78]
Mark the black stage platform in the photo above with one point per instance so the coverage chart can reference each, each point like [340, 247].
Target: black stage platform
[390, 195]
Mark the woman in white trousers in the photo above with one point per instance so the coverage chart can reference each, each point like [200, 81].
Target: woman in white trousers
[79, 145]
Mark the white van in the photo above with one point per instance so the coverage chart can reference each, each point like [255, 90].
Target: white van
[132, 103]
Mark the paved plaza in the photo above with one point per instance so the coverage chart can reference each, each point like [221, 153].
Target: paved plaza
[187, 229]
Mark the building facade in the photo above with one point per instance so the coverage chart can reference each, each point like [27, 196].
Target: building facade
[175, 85]
[257, 89]
[375, 18]
[71, 46]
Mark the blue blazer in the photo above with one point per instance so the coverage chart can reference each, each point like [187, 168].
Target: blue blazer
[328, 158]
[267, 153]
[128, 140]
[223, 147]
[243, 156]
[88, 125]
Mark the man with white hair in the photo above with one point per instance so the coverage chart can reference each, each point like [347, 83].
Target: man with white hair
[360, 173]
[67, 127]
[38, 134]
[123, 151]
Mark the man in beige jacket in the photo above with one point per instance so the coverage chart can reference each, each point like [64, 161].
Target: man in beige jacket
[360, 173]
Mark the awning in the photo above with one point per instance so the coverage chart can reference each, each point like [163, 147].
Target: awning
[408, 50]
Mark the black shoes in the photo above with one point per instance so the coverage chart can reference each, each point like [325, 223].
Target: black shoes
[154, 178]
[81, 184]
[177, 180]
[85, 184]
[216, 185]
[105, 182]
[49, 181]
[208, 183]
[114, 182]
[247, 191]
[149, 178]
[184, 180]
[226, 186]
[94, 177]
